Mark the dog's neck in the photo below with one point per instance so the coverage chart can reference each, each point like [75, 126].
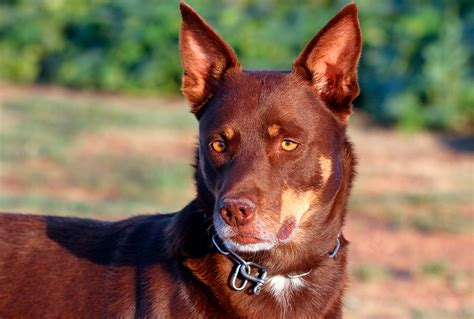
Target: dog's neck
[214, 271]
[190, 235]
[254, 274]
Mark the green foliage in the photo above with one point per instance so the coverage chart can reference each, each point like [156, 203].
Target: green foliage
[416, 68]
[443, 96]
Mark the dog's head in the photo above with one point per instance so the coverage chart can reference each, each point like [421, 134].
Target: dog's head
[272, 156]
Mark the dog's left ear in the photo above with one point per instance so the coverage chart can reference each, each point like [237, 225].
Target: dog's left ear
[330, 61]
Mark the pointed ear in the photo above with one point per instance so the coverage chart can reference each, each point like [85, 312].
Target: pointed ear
[330, 61]
[205, 58]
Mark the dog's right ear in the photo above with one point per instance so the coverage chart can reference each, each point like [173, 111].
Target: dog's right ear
[205, 58]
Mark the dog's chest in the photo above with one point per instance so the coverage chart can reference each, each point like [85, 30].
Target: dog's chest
[282, 287]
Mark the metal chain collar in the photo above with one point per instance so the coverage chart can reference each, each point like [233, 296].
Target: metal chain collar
[244, 268]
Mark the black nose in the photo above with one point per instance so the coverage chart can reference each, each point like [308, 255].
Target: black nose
[237, 211]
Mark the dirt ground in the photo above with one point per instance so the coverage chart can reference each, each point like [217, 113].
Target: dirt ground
[411, 216]
[409, 256]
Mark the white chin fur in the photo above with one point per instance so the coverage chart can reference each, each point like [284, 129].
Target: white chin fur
[224, 231]
[248, 247]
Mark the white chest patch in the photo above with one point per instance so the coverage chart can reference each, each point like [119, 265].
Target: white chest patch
[282, 287]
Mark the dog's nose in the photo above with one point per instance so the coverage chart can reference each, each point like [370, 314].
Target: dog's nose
[237, 211]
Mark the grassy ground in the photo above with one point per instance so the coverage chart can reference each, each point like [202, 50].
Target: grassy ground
[411, 215]
[61, 155]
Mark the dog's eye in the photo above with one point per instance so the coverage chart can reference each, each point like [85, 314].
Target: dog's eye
[288, 145]
[218, 146]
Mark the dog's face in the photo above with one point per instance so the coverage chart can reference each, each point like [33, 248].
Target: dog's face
[270, 143]
[262, 156]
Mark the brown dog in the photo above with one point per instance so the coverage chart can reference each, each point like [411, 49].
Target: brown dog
[263, 237]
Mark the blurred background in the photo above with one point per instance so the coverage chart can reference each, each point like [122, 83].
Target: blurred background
[92, 124]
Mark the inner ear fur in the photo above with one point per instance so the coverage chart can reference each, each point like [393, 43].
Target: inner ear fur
[205, 57]
[329, 61]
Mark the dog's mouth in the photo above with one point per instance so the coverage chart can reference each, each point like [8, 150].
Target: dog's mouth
[256, 239]
[244, 239]
[241, 241]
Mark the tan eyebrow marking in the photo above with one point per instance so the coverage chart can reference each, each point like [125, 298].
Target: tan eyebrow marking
[229, 133]
[273, 130]
[325, 163]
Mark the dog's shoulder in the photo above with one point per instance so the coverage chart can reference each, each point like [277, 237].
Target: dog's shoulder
[122, 242]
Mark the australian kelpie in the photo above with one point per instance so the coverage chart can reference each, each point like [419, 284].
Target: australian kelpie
[263, 237]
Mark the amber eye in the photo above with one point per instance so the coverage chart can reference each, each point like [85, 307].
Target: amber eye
[288, 145]
[218, 146]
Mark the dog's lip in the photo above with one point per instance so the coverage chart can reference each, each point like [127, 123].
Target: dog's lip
[245, 239]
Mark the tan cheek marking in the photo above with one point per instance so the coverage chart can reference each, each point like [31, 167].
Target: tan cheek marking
[296, 204]
[273, 130]
[326, 168]
[229, 133]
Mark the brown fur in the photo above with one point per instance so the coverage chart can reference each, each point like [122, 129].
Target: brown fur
[164, 266]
